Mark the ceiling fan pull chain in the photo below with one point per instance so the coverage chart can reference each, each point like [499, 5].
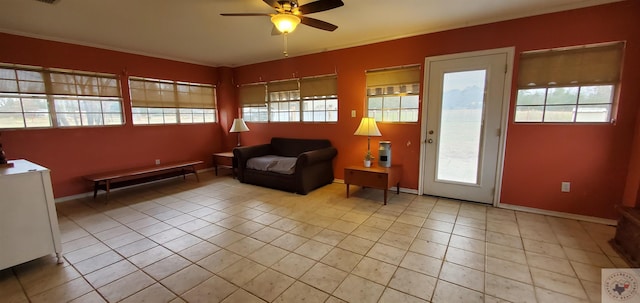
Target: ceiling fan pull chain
[286, 54]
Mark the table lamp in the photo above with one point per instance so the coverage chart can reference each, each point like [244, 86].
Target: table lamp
[238, 126]
[368, 128]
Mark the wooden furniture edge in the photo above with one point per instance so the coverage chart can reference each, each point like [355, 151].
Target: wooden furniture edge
[392, 171]
[227, 155]
[140, 175]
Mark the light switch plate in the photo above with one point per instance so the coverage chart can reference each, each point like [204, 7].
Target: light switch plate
[566, 187]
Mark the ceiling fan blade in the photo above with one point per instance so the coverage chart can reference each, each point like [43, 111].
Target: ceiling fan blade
[319, 24]
[272, 3]
[275, 31]
[319, 6]
[244, 14]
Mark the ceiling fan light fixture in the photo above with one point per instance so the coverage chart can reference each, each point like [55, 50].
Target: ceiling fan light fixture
[285, 23]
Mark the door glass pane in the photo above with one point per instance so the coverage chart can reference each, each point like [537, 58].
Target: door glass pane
[461, 126]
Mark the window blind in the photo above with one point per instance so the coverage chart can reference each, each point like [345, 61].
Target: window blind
[24, 80]
[21, 81]
[319, 86]
[66, 83]
[570, 67]
[282, 86]
[151, 93]
[394, 76]
[195, 96]
[403, 80]
[253, 95]
[170, 94]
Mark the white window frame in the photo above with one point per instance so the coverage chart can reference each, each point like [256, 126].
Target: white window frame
[580, 110]
[285, 106]
[387, 113]
[66, 98]
[328, 114]
[579, 68]
[288, 105]
[394, 83]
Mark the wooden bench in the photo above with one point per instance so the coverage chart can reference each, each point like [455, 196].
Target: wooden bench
[125, 177]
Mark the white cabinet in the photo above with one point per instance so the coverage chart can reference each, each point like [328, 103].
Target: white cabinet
[28, 220]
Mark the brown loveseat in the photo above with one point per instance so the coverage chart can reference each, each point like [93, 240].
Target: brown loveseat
[293, 165]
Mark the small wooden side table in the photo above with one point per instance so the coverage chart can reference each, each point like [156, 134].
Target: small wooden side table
[374, 177]
[225, 160]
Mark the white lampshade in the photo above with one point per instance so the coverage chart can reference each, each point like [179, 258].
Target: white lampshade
[238, 126]
[285, 23]
[368, 128]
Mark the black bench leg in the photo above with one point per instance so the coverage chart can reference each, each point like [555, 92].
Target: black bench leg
[108, 189]
[195, 172]
[95, 189]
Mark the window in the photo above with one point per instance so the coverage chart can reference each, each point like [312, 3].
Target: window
[32, 97]
[253, 99]
[569, 85]
[319, 99]
[171, 102]
[311, 99]
[393, 94]
[284, 101]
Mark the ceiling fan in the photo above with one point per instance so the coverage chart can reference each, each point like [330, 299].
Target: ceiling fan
[289, 14]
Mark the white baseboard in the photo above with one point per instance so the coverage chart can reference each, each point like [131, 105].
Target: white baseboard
[532, 210]
[559, 214]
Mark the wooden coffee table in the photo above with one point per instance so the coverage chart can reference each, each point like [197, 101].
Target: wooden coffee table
[374, 177]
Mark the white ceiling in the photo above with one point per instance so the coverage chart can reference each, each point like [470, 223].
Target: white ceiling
[193, 30]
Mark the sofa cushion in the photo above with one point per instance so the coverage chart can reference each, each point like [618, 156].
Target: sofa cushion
[276, 164]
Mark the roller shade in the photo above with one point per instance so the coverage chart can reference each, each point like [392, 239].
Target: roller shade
[74, 84]
[170, 94]
[581, 66]
[196, 96]
[253, 94]
[319, 86]
[151, 93]
[13, 80]
[395, 76]
[24, 80]
[282, 86]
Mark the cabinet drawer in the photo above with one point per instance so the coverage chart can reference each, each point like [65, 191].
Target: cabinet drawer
[365, 178]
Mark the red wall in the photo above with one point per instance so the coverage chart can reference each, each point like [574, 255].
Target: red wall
[73, 152]
[596, 158]
[632, 188]
[593, 157]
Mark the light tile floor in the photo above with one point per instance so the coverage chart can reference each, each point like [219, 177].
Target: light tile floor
[222, 241]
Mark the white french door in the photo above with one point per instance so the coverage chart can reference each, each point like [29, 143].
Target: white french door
[463, 123]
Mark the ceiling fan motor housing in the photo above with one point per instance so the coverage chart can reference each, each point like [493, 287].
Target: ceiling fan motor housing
[290, 10]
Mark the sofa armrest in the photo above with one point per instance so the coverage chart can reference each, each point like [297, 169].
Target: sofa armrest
[244, 153]
[316, 156]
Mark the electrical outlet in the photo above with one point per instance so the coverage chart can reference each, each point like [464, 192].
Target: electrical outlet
[157, 161]
[566, 187]
[353, 113]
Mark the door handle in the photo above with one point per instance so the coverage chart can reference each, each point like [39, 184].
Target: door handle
[430, 141]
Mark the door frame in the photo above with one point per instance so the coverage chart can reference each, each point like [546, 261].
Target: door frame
[506, 98]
